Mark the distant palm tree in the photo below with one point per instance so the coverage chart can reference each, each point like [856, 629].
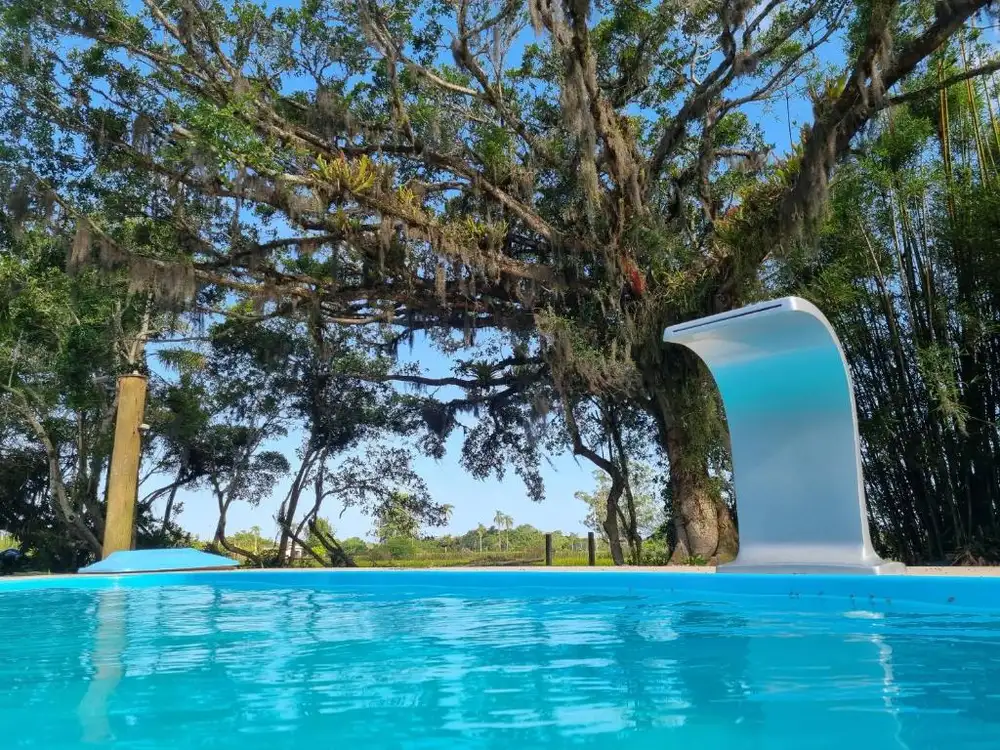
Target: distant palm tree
[498, 522]
[505, 522]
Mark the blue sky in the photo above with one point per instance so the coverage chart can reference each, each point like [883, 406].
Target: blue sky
[474, 501]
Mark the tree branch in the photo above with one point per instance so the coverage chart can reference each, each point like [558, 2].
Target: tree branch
[918, 94]
[864, 94]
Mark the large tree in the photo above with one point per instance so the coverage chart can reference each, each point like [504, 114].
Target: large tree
[64, 340]
[576, 170]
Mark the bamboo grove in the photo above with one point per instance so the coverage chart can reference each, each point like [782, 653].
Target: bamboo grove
[909, 273]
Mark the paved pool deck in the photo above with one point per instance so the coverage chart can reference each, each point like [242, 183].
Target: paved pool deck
[917, 570]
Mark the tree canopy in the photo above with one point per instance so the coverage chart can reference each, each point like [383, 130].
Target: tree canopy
[562, 178]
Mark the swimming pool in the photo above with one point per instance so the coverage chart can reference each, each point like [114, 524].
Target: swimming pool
[442, 659]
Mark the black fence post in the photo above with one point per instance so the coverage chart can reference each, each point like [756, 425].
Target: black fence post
[591, 549]
[548, 549]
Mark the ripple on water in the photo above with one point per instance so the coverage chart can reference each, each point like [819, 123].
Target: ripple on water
[203, 666]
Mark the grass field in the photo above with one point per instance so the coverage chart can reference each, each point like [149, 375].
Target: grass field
[469, 560]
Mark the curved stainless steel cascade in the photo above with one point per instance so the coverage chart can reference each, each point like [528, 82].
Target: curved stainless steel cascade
[789, 403]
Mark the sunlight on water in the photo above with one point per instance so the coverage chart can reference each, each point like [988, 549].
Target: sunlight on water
[244, 667]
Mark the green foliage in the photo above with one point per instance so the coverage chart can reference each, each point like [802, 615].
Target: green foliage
[354, 546]
[647, 495]
[64, 340]
[905, 269]
[521, 545]
[656, 551]
[321, 526]
[224, 132]
[314, 165]
[400, 547]
[397, 519]
[252, 541]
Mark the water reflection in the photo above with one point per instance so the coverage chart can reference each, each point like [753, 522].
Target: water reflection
[947, 668]
[106, 665]
[890, 690]
[275, 668]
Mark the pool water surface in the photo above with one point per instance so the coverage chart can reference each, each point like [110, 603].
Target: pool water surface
[499, 660]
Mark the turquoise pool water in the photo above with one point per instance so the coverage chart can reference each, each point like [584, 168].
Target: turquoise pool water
[499, 660]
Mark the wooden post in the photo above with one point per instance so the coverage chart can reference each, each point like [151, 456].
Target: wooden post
[591, 549]
[123, 479]
[548, 549]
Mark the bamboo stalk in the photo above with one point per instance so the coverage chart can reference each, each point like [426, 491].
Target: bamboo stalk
[993, 118]
[974, 113]
[996, 95]
[945, 136]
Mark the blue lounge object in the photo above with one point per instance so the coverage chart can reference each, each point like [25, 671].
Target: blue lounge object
[789, 402]
[156, 560]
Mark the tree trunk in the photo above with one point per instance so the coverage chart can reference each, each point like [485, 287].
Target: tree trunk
[220, 536]
[57, 486]
[692, 430]
[611, 519]
[628, 518]
[632, 536]
[169, 509]
[123, 480]
[704, 526]
[610, 523]
[338, 557]
[289, 507]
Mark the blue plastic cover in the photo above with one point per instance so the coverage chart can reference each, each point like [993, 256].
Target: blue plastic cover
[150, 560]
